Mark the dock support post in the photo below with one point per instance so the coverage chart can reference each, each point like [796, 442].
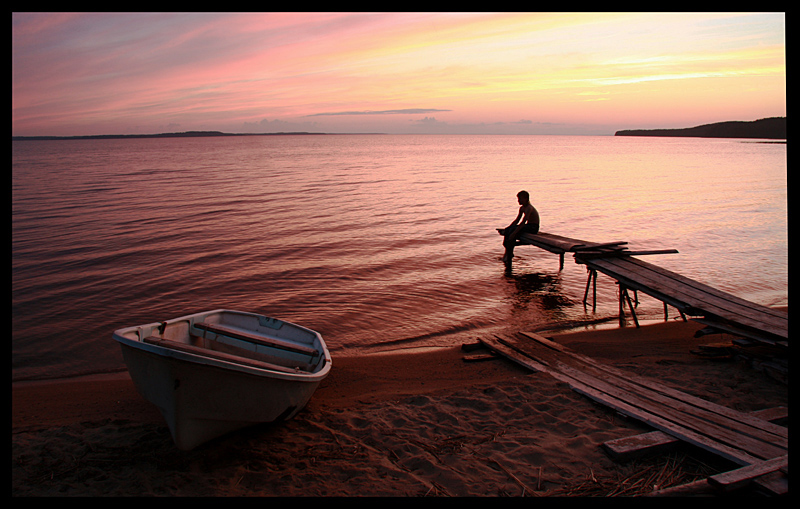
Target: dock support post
[560, 262]
[623, 296]
[683, 316]
[630, 306]
[592, 279]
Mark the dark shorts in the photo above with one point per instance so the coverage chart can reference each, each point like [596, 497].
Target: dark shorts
[528, 228]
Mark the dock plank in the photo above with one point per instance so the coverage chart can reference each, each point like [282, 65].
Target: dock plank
[748, 332]
[710, 289]
[646, 280]
[705, 289]
[690, 297]
[553, 243]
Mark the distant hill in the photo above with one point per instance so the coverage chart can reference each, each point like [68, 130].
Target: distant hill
[187, 134]
[773, 128]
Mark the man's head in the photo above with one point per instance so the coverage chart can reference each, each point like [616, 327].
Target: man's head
[523, 197]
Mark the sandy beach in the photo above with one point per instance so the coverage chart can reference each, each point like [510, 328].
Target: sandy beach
[395, 424]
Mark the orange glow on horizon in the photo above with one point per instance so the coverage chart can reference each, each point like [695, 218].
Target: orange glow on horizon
[340, 72]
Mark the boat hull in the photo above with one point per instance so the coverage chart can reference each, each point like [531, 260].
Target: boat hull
[203, 398]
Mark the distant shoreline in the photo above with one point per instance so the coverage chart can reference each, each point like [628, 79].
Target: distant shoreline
[187, 134]
[773, 128]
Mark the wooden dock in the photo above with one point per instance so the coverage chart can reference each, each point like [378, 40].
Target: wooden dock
[719, 310]
[751, 441]
[707, 305]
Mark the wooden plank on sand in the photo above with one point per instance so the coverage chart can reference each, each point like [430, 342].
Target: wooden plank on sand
[627, 448]
[511, 355]
[742, 476]
[711, 436]
[775, 432]
[686, 434]
[738, 448]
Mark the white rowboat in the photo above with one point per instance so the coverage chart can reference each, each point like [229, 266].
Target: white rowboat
[218, 371]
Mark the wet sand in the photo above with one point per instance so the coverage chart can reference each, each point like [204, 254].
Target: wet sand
[394, 424]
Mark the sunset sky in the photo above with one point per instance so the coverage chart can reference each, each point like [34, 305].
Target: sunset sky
[526, 73]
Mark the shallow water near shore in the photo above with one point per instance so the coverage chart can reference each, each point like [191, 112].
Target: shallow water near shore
[378, 242]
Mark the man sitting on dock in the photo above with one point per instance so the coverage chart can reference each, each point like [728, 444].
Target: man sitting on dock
[529, 224]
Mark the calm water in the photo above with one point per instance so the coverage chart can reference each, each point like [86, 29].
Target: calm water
[376, 241]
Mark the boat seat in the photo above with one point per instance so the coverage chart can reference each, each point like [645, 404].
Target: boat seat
[212, 354]
[259, 340]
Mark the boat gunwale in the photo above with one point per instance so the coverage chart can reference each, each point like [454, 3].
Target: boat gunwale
[321, 372]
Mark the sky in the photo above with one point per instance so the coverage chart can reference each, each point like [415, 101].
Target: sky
[406, 72]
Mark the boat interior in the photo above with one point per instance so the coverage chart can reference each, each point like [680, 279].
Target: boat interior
[237, 345]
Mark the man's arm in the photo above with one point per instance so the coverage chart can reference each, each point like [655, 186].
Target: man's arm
[516, 220]
[516, 226]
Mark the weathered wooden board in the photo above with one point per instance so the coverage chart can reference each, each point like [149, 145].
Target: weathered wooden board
[582, 256]
[599, 245]
[480, 357]
[755, 421]
[680, 422]
[718, 297]
[513, 356]
[690, 297]
[741, 444]
[552, 243]
[635, 446]
[722, 325]
[627, 448]
[742, 476]
[777, 313]
[621, 405]
[659, 285]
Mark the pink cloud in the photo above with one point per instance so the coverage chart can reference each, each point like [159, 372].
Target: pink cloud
[80, 73]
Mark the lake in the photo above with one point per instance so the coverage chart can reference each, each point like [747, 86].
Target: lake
[376, 241]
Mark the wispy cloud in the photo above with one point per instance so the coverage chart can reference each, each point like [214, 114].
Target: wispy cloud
[405, 111]
[98, 73]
